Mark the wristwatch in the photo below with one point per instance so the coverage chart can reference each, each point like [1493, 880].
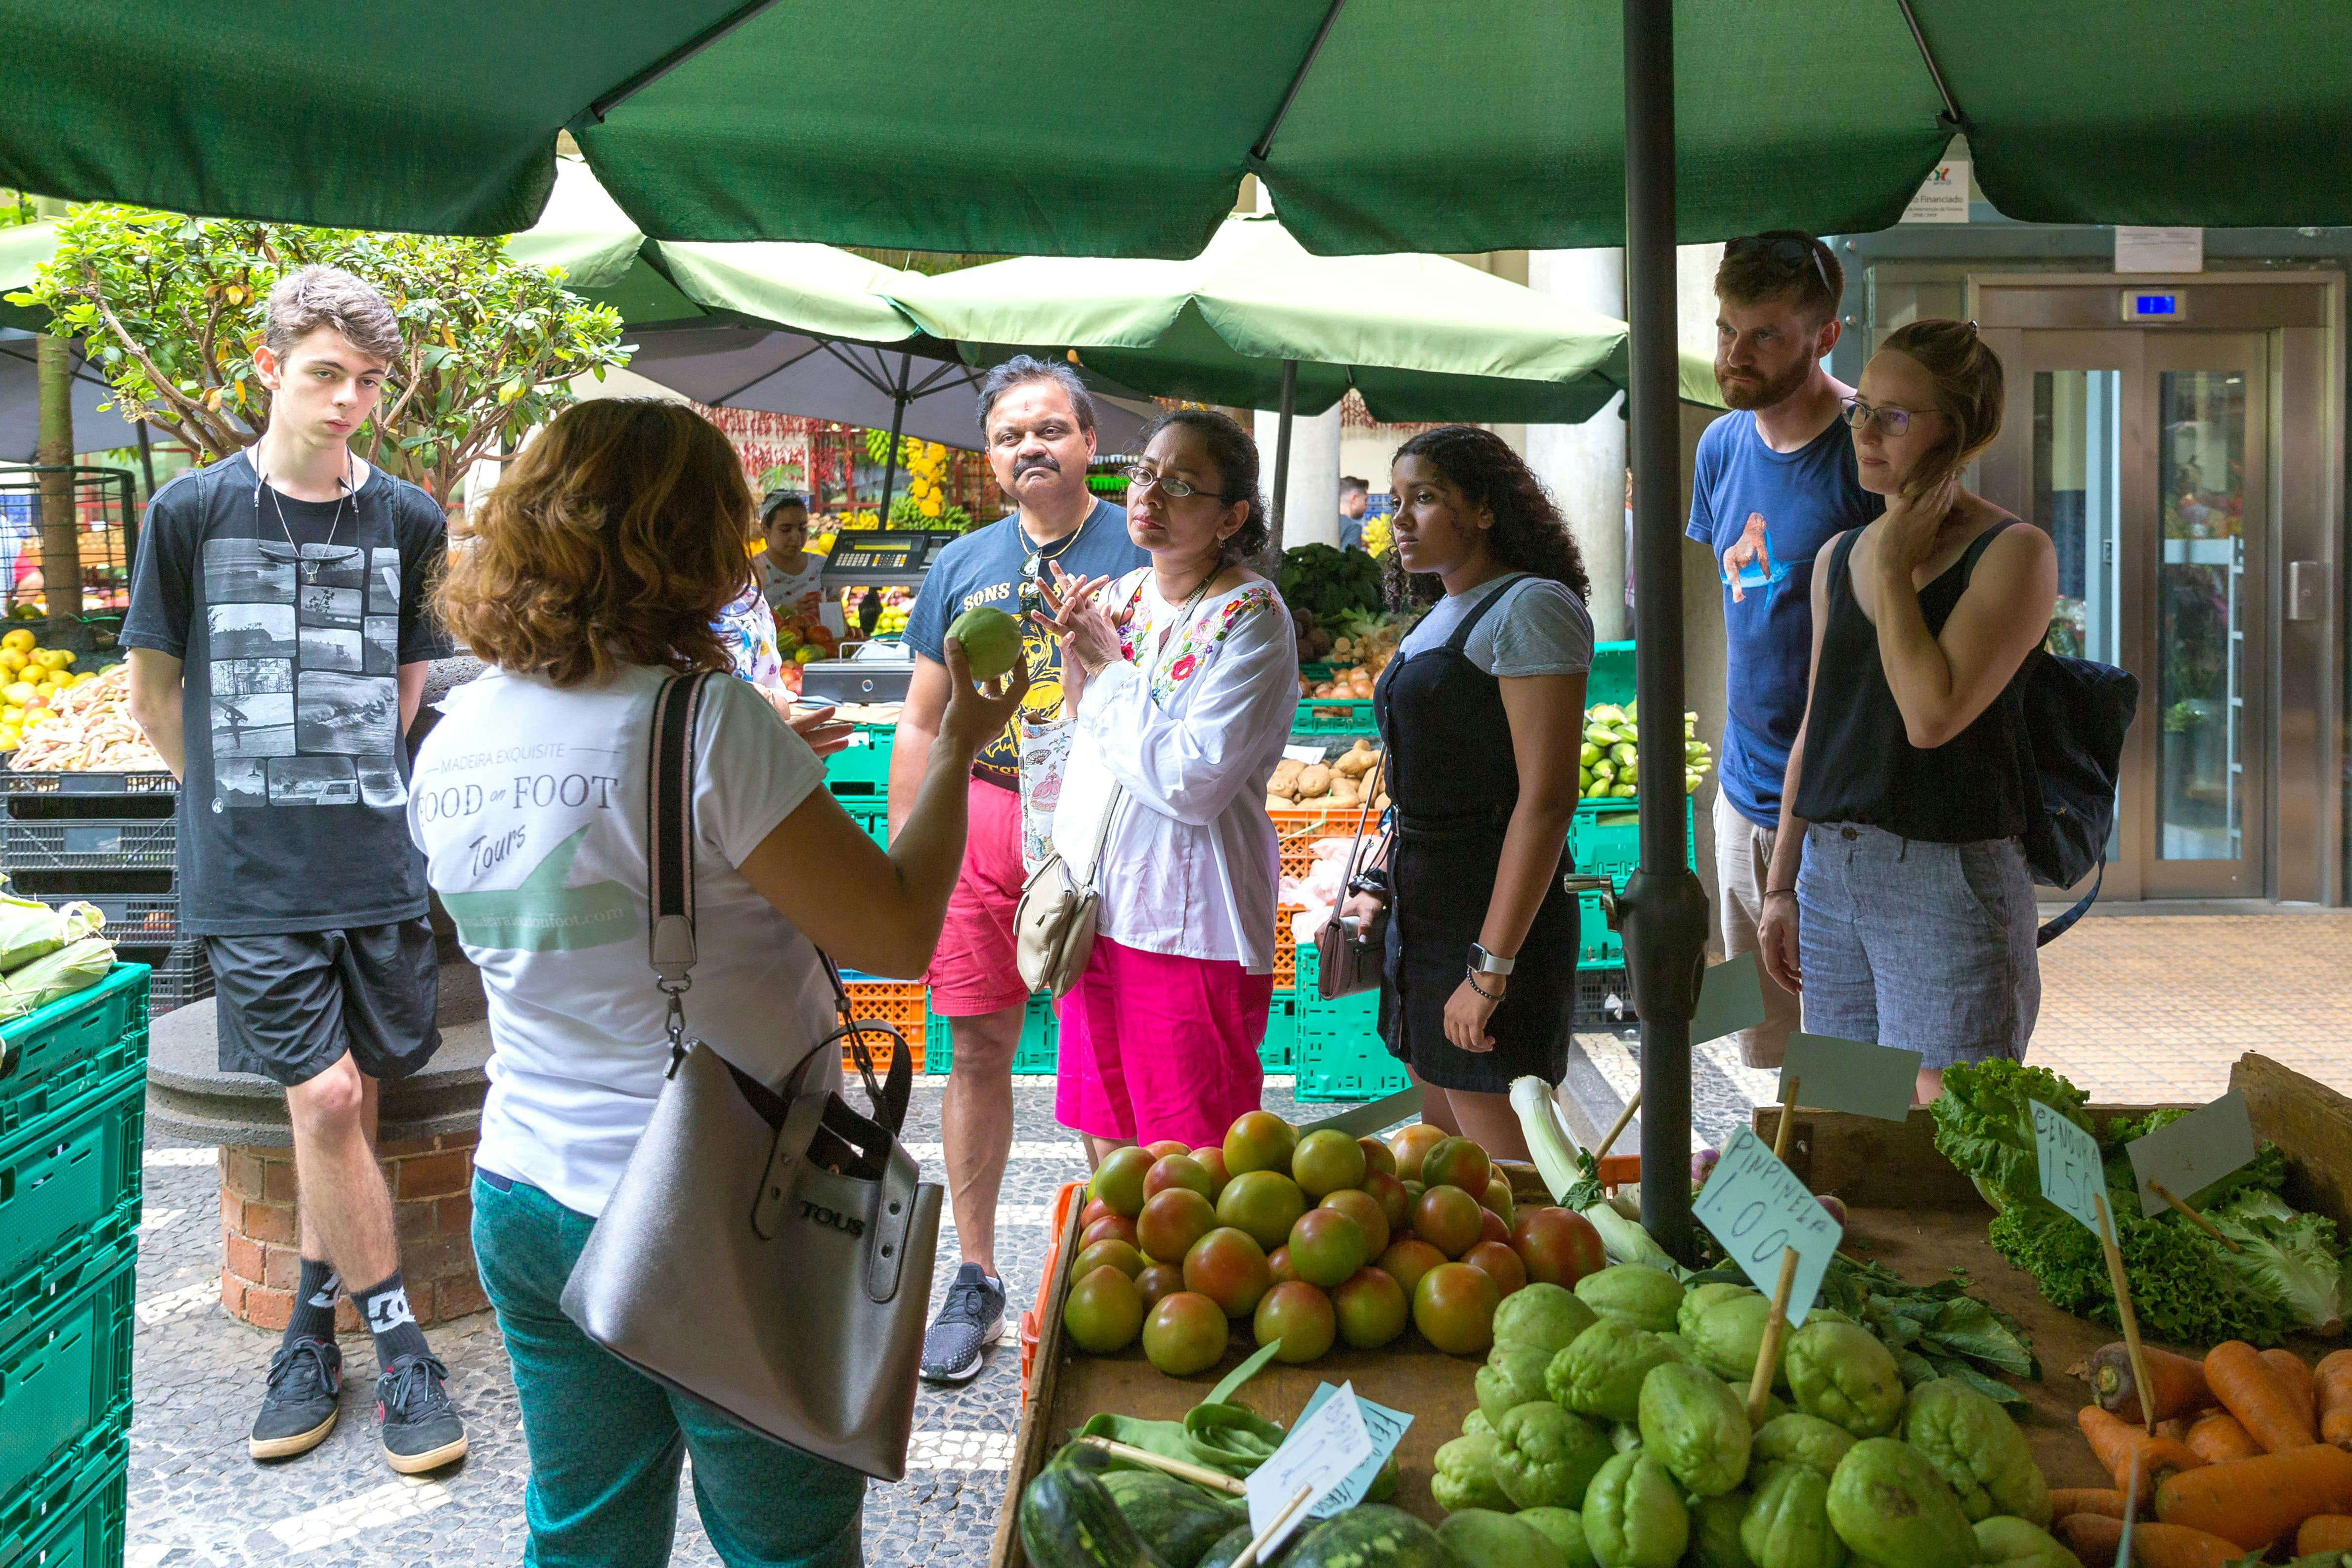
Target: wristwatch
[1484, 963]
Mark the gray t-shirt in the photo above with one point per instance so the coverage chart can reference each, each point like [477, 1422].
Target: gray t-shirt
[1538, 628]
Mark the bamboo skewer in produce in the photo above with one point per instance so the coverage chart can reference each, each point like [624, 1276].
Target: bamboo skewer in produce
[1617, 1127]
[1249, 1554]
[1199, 1475]
[2122, 1304]
[1776, 1325]
[2191, 1215]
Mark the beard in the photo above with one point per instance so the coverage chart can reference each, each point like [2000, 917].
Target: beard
[1764, 392]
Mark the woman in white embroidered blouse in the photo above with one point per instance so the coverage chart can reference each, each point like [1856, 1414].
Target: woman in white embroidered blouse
[1183, 677]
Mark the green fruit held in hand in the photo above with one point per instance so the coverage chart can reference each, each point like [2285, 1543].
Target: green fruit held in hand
[991, 639]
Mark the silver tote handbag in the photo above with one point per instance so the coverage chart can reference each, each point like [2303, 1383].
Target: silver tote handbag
[769, 1254]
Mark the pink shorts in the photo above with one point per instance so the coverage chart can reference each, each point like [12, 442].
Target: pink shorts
[1156, 1046]
[973, 972]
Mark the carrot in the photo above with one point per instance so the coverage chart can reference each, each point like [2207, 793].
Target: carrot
[2123, 1447]
[2294, 1376]
[2255, 1501]
[2179, 1383]
[2096, 1539]
[2251, 1392]
[2323, 1533]
[2218, 1438]
[2067, 1501]
[2334, 1381]
[2175, 1428]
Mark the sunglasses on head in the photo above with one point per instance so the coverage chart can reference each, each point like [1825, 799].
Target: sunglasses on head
[1791, 256]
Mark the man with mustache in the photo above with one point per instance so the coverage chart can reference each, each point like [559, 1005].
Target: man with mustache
[1774, 481]
[1039, 423]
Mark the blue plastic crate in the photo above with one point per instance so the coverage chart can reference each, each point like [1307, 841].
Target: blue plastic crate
[1040, 1036]
[62, 1378]
[72, 1512]
[1278, 1052]
[66, 1180]
[861, 770]
[56, 1055]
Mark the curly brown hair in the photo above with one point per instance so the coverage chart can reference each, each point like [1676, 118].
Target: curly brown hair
[1530, 534]
[615, 537]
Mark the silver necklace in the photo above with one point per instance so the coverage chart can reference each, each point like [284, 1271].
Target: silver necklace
[311, 566]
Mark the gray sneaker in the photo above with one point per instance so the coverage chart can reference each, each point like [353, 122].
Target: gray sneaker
[420, 1432]
[306, 1386]
[971, 1320]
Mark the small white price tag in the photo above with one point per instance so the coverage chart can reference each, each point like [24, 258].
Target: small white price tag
[1321, 1452]
[1387, 1427]
[1756, 1208]
[1309, 755]
[2193, 1153]
[2070, 1172]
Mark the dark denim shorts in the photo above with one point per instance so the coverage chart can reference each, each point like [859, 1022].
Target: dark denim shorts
[1924, 946]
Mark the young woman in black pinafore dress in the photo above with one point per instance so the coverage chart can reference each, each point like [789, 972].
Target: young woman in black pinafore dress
[1482, 714]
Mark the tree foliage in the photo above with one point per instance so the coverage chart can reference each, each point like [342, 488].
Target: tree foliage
[170, 310]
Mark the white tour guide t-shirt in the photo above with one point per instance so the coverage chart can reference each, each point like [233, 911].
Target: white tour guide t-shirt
[529, 802]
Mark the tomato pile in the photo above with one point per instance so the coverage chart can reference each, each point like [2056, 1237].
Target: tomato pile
[1309, 1241]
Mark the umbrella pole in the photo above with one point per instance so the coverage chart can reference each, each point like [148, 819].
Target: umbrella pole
[1663, 909]
[1282, 452]
[890, 458]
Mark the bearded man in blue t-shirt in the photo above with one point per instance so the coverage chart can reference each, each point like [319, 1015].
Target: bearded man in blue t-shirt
[1774, 481]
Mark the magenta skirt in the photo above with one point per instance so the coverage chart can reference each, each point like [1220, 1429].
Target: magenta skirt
[1156, 1047]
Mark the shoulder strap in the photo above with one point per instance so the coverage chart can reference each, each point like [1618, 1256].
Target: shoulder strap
[1976, 547]
[1461, 638]
[670, 831]
[1843, 552]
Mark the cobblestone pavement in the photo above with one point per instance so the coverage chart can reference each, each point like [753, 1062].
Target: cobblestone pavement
[195, 1499]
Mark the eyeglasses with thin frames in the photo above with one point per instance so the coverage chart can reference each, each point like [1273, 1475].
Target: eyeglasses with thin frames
[1139, 478]
[1890, 421]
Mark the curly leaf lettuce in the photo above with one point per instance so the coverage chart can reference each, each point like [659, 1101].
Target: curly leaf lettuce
[2291, 1258]
[2181, 1288]
[1984, 1123]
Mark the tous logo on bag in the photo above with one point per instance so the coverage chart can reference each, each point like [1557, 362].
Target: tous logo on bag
[847, 1223]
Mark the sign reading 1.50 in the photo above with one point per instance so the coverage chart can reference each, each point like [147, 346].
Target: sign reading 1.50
[2072, 1176]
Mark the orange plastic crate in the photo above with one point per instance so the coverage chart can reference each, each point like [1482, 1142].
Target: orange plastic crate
[1301, 827]
[897, 1003]
[1033, 1321]
[1285, 950]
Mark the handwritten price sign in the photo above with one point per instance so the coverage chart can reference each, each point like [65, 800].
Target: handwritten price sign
[1755, 1207]
[2070, 1172]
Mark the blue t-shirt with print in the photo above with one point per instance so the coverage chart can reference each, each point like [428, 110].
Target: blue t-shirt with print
[984, 567]
[1764, 515]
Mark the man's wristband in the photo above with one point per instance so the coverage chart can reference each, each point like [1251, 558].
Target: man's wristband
[1779, 892]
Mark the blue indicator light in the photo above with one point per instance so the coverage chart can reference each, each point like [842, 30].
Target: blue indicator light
[2155, 304]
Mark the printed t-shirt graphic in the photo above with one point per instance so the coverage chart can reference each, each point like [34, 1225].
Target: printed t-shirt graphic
[985, 567]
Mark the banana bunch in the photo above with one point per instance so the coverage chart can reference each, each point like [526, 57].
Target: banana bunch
[1608, 766]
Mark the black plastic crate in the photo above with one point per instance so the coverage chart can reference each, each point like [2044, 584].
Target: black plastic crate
[182, 973]
[1594, 990]
[16, 782]
[89, 844]
[144, 920]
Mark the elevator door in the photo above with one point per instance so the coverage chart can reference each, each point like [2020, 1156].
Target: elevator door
[2143, 454]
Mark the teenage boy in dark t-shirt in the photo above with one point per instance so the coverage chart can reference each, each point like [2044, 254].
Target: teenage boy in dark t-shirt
[1774, 481]
[1040, 426]
[279, 637]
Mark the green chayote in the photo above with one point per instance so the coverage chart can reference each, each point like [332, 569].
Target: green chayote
[1514, 1374]
[2007, 1543]
[1634, 1516]
[1481, 1538]
[1548, 1316]
[1801, 1439]
[1566, 1529]
[1715, 1531]
[1476, 1425]
[1644, 1297]
[1465, 1476]
[1979, 1450]
[1889, 1505]
[1788, 1521]
[1727, 1337]
[1545, 1457]
[1625, 1437]
[1693, 1423]
[1600, 1374]
[1841, 1372]
[1699, 1298]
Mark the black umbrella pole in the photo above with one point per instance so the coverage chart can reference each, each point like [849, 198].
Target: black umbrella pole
[890, 459]
[1663, 913]
[1282, 452]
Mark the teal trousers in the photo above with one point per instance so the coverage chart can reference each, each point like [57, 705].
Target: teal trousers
[606, 1441]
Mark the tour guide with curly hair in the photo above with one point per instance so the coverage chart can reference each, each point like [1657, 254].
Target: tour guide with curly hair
[596, 568]
[1482, 714]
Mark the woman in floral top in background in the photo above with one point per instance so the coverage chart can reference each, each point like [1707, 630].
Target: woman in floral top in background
[1182, 679]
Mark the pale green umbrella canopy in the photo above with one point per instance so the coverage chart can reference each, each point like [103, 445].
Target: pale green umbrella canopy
[1421, 337]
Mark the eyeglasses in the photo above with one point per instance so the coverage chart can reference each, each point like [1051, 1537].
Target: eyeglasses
[1142, 479]
[1890, 421]
[1792, 255]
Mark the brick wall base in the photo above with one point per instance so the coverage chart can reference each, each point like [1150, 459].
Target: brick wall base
[433, 1213]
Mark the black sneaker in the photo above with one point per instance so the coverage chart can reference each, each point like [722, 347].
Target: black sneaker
[420, 1431]
[306, 1386]
[973, 1319]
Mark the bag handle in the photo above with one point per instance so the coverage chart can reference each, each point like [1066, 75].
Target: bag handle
[1355, 852]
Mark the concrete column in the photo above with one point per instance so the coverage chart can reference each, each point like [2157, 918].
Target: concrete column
[1314, 512]
[1584, 465]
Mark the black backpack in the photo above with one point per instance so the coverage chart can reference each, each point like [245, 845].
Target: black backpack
[2074, 716]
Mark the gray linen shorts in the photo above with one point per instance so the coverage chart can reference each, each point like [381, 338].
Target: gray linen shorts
[1924, 946]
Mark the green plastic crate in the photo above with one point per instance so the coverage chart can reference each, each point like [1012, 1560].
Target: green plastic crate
[54, 1054]
[1040, 1033]
[1612, 679]
[65, 1182]
[72, 1513]
[1278, 1052]
[861, 769]
[1334, 716]
[1597, 947]
[1339, 1054]
[874, 819]
[63, 1377]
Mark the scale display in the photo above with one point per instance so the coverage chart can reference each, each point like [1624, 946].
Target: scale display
[864, 552]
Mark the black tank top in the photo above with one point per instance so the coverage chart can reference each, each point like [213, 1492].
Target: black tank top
[1861, 766]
